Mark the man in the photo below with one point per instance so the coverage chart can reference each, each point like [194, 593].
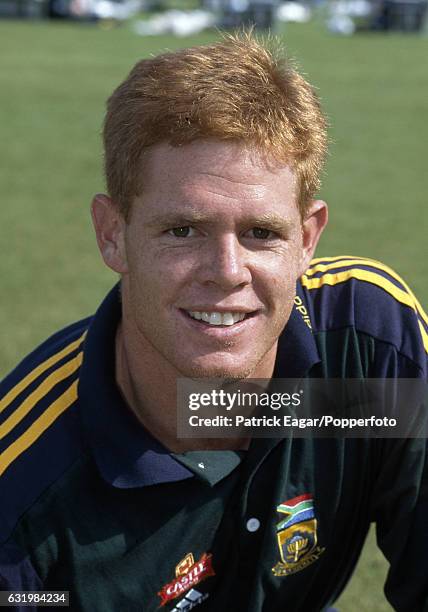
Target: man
[212, 159]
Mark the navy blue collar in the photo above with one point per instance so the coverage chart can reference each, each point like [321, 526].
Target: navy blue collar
[126, 454]
[297, 350]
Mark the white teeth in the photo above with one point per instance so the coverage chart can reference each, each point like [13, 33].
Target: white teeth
[228, 318]
[218, 318]
[215, 318]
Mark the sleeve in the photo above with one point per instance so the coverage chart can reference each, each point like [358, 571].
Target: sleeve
[368, 295]
[401, 513]
[400, 499]
[17, 574]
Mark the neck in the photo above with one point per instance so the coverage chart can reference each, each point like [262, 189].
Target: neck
[150, 390]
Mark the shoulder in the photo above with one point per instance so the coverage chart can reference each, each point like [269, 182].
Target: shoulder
[38, 425]
[370, 297]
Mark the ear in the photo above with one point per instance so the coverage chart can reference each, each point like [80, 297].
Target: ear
[109, 227]
[314, 222]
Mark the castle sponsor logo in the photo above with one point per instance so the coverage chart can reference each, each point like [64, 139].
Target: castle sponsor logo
[188, 574]
[296, 535]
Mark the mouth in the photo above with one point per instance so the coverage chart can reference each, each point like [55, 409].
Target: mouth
[219, 319]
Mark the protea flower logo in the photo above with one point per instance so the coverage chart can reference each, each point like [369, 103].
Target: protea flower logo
[297, 535]
[296, 548]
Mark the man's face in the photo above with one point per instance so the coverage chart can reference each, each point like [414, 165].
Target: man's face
[211, 255]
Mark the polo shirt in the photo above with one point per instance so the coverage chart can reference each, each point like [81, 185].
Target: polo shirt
[92, 504]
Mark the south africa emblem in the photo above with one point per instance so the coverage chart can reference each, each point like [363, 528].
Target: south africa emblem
[297, 535]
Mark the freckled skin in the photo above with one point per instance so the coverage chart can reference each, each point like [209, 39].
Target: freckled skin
[215, 229]
[221, 192]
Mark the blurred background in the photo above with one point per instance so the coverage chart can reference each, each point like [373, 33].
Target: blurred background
[60, 59]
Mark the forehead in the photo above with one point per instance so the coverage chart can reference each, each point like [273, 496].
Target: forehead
[225, 175]
[230, 161]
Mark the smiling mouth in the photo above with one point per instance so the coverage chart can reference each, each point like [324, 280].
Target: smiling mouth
[218, 319]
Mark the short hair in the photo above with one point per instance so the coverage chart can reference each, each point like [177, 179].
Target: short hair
[238, 89]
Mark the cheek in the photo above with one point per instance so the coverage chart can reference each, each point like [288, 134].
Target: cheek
[158, 277]
[279, 275]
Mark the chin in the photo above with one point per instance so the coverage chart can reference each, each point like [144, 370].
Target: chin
[229, 370]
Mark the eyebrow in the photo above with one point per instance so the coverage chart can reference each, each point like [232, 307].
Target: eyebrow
[273, 221]
[175, 219]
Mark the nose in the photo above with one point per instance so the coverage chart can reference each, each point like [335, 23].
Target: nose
[225, 263]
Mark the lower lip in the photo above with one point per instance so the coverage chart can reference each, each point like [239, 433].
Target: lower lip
[218, 331]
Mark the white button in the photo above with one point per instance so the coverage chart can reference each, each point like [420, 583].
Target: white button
[253, 524]
[201, 465]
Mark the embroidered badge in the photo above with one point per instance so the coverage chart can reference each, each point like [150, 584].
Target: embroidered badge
[187, 575]
[297, 535]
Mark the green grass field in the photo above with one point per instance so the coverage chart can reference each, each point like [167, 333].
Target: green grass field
[55, 79]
